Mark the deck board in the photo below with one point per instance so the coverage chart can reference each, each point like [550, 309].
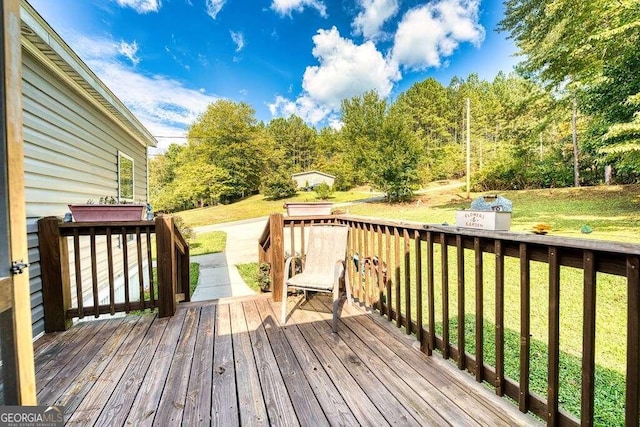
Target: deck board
[230, 362]
[197, 410]
[224, 411]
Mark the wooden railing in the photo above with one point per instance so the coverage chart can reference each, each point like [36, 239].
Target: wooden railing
[404, 273]
[100, 258]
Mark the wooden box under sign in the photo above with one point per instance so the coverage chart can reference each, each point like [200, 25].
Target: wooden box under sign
[484, 220]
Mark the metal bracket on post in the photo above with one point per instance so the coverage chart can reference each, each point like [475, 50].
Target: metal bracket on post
[17, 267]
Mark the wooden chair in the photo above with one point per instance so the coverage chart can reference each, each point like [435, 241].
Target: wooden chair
[323, 267]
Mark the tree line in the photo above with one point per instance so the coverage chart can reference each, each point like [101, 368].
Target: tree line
[565, 117]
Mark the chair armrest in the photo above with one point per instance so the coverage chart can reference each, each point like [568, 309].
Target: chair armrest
[287, 265]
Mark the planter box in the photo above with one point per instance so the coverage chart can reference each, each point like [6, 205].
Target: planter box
[308, 208]
[484, 220]
[101, 213]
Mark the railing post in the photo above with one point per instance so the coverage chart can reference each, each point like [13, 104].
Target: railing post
[276, 230]
[166, 265]
[185, 271]
[632, 407]
[54, 265]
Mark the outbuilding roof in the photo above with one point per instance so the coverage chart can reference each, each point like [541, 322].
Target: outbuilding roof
[313, 172]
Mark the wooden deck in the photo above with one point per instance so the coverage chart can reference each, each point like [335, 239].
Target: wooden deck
[230, 363]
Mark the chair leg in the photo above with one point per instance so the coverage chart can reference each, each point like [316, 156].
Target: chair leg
[336, 307]
[283, 304]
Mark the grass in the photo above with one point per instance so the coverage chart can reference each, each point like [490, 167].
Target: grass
[609, 384]
[208, 243]
[256, 206]
[194, 275]
[610, 320]
[249, 273]
[613, 212]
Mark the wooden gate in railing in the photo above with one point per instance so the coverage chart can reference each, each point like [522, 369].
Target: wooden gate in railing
[402, 270]
[100, 253]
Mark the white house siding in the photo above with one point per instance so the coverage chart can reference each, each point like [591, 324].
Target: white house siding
[71, 155]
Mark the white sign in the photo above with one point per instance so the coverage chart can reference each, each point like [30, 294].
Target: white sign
[483, 220]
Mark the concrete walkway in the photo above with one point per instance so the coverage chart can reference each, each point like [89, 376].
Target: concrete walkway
[219, 277]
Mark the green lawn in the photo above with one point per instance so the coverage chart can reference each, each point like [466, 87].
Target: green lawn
[249, 273]
[612, 212]
[256, 206]
[208, 243]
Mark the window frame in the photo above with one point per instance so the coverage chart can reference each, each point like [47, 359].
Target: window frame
[121, 198]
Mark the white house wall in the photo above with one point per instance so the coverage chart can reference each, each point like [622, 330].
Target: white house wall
[71, 155]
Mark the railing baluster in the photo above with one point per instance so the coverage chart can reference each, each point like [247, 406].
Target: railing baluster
[125, 268]
[479, 310]
[94, 272]
[418, 249]
[78, 269]
[554, 338]
[350, 262]
[292, 249]
[302, 239]
[444, 266]
[431, 299]
[361, 269]
[380, 275]
[632, 416]
[112, 297]
[366, 269]
[589, 339]
[388, 278]
[396, 239]
[140, 268]
[150, 267]
[525, 334]
[461, 321]
[407, 280]
[499, 381]
[374, 277]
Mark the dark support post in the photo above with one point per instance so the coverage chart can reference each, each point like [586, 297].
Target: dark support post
[276, 230]
[166, 265]
[54, 264]
[632, 407]
[185, 271]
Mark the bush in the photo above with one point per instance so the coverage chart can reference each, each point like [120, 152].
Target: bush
[323, 190]
[186, 231]
[278, 186]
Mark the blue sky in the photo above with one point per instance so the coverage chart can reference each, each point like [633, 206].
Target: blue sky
[168, 59]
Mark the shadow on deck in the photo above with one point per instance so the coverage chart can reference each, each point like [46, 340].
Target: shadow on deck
[231, 363]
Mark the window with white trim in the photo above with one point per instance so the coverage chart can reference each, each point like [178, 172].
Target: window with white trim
[125, 178]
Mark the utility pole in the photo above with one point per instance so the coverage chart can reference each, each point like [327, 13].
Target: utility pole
[468, 150]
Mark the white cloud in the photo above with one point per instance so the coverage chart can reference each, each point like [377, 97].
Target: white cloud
[285, 7]
[129, 50]
[304, 107]
[214, 7]
[346, 70]
[163, 105]
[375, 13]
[238, 39]
[141, 6]
[431, 32]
